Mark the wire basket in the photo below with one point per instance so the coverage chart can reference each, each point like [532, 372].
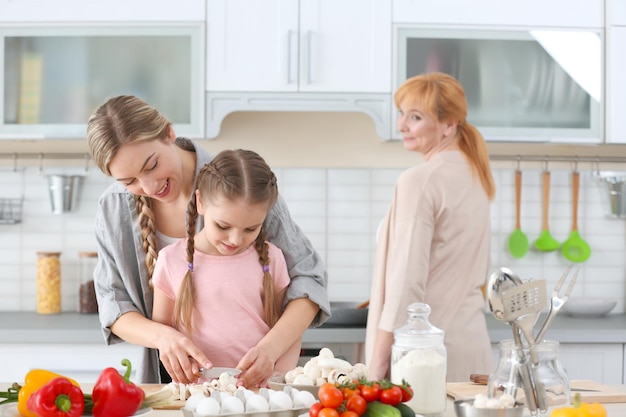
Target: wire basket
[11, 210]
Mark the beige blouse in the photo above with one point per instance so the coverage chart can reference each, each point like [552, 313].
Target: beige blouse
[433, 247]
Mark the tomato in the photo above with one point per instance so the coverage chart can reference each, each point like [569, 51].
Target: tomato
[391, 395]
[315, 409]
[328, 412]
[348, 392]
[371, 392]
[357, 404]
[407, 393]
[348, 414]
[330, 396]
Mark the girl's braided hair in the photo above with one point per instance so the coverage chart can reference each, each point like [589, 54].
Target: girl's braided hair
[234, 175]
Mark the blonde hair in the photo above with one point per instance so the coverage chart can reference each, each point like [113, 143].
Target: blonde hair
[441, 96]
[119, 121]
[232, 174]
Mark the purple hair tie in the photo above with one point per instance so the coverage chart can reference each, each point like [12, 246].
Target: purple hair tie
[190, 267]
[266, 268]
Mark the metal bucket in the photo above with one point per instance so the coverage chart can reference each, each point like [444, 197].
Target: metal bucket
[613, 192]
[64, 191]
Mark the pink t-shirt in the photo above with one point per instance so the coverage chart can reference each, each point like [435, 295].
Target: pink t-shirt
[228, 317]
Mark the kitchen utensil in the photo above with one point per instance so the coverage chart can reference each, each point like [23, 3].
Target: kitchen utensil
[499, 282]
[557, 301]
[518, 241]
[575, 248]
[216, 371]
[522, 304]
[545, 242]
[465, 408]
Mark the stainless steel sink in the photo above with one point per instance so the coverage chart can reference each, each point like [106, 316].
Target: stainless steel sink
[346, 314]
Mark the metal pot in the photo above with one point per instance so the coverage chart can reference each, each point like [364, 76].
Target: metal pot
[613, 192]
[64, 191]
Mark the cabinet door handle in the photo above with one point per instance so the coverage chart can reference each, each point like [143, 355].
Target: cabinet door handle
[310, 76]
[291, 55]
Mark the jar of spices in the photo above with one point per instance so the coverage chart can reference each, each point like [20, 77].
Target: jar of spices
[48, 282]
[87, 303]
[418, 356]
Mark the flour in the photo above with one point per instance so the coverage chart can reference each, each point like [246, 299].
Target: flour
[425, 371]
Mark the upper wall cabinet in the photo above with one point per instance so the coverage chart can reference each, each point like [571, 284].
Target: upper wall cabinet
[55, 76]
[298, 55]
[551, 13]
[299, 45]
[83, 11]
[521, 85]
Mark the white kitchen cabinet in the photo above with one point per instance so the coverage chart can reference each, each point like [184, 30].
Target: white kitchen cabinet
[299, 46]
[601, 362]
[54, 76]
[81, 11]
[616, 85]
[597, 362]
[81, 362]
[553, 13]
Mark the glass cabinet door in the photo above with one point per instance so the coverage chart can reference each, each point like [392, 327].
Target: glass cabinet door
[522, 85]
[54, 77]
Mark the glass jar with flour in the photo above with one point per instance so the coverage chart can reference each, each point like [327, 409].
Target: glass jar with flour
[418, 356]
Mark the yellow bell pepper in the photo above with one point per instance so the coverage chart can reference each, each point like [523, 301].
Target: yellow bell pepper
[580, 409]
[34, 380]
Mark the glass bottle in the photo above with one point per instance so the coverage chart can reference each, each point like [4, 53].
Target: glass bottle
[87, 303]
[48, 282]
[418, 356]
[548, 372]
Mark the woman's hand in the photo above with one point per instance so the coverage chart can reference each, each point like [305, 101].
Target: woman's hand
[181, 358]
[257, 366]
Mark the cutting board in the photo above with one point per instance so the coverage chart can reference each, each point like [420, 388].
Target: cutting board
[149, 388]
[601, 394]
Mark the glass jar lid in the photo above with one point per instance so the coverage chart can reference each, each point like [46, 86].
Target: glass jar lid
[417, 330]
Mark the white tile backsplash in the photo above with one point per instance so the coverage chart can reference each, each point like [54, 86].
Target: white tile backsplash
[339, 210]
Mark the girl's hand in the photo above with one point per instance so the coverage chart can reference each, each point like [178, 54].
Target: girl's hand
[257, 366]
[181, 358]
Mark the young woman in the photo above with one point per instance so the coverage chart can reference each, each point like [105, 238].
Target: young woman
[433, 245]
[224, 286]
[143, 211]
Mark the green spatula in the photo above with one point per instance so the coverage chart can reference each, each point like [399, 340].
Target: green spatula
[518, 241]
[545, 242]
[575, 248]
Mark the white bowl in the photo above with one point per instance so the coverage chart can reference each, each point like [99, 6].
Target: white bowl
[588, 307]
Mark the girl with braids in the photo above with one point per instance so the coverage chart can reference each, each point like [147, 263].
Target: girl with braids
[433, 245]
[143, 211]
[224, 285]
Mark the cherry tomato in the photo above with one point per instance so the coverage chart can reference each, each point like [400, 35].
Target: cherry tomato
[357, 404]
[348, 392]
[331, 396]
[407, 393]
[328, 412]
[315, 409]
[391, 395]
[348, 414]
[371, 392]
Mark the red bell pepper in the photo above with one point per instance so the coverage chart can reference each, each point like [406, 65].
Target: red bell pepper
[57, 398]
[114, 395]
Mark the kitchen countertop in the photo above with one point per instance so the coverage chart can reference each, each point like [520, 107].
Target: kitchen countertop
[613, 409]
[30, 327]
